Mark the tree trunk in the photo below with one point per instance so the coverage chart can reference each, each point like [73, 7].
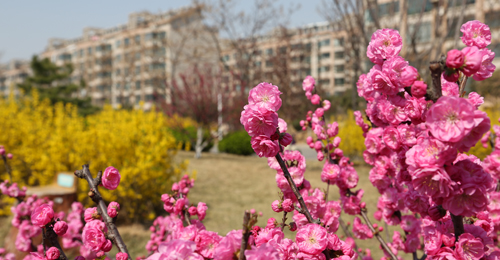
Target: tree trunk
[199, 142]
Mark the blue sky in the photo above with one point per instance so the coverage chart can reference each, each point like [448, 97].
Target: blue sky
[27, 25]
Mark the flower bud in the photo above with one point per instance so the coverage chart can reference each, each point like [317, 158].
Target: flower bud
[121, 256]
[107, 246]
[293, 226]
[9, 156]
[436, 212]
[287, 205]
[455, 59]
[315, 99]
[276, 206]
[60, 228]
[192, 211]
[111, 178]
[418, 89]
[2, 151]
[52, 253]
[286, 139]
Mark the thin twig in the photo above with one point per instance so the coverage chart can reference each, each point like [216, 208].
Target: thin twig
[7, 168]
[461, 91]
[245, 235]
[303, 207]
[102, 209]
[43, 241]
[377, 235]
[283, 220]
[348, 234]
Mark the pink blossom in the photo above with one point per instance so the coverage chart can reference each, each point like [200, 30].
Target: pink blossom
[176, 249]
[466, 201]
[60, 228]
[487, 67]
[285, 139]
[282, 125]
[265, 95]
[287, 205]
[384, 44]
[228, 245]
[264, 147]
[391, 137]
[259, 121]
[315, 99]
[449, 88]
[93, 238]
[431, 181]
[418, 89]
[268, 234]
[469, 247]
[476, 34]
[416, 202]
[455, 59]
[53, 253]
[91, 214]
[360, 230]
[326, 104]
[330, 172]
[410, 224]
[263, 252]
[121, 256]
[206, 242]
[113, 208]
[111, 178]
[430, 152]
[450, 119]
[445, 253]
[107, 246]
[276, 206]
[308, 84]
[473, 60]
[311, 239]
[9, 156]
[381, 82]
[401, 74]
[42, 215]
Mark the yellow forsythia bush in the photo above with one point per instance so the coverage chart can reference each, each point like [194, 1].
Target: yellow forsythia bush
[479, 150]
[353, 142]
[46, 140]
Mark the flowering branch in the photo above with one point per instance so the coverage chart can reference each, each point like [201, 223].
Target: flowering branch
[94, 194]
[245, 235]
[303, 207]
[51, 236]
[379, 237]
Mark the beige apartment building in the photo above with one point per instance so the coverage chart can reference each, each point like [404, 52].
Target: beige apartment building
[134, 62]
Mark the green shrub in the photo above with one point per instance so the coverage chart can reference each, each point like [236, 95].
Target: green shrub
[236, 143]
[187, 136]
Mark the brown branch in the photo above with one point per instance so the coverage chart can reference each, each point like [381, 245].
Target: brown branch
[283, 220]
[377, 235]
[288, 177]
[461, 90]
[458, 225]
[51, 238]
[436, 68]
[245, 235]
[114, 235]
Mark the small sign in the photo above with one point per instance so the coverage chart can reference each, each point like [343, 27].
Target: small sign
[65, 180]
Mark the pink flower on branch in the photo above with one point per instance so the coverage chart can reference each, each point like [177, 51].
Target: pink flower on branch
[111, 178]
[42, 215]
[476, 34]
[384, 44]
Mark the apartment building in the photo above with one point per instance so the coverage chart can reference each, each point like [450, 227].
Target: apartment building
[135, 62]
[286, 57]
[11, 74]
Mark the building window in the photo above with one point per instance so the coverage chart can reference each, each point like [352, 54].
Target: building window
[339, 81]
[137, 39]
[338, 42]
[339, 55]
[118, 43]
[118, 72]
[269, 51]
[89, 51]
[492, 19]
[323, 56]
[138, 85]
[127, 86]
[137, 99]
[258, 64]
[118, 57]
[324, 43]
[339, 68]
[423, 33]
[323, 69]
[126, 41]
[118, 85]
[137, 70]
[269, 63]
[138, 56]
[415, 6]
[149, 97]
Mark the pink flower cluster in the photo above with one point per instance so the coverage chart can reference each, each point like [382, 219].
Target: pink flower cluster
[260, 119]
[474, 60]
[3, 153]
[12, 190]
[22, 213]
[414, 147]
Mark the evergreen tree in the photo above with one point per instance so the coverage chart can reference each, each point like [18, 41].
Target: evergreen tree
[54, 83]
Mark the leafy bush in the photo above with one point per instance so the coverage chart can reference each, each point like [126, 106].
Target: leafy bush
[46, 140]
[236, 143]
[187, 137]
